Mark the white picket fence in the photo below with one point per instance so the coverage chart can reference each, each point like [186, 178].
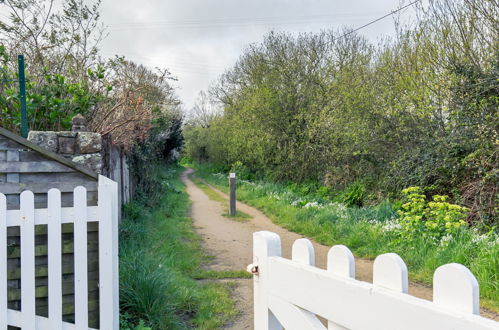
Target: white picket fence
[106, 214]
[290, 293]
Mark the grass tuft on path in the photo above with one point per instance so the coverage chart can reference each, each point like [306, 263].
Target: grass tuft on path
[222, 274]
[160, 256]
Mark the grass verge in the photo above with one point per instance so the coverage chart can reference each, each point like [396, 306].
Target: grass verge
[160, 256]
[368, 232]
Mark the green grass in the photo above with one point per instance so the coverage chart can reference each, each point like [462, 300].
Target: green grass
[365, 230]
[239, 216]
[160, 256]
[212, 194]
[222, 274]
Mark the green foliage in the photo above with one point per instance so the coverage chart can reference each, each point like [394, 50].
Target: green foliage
[51, 101]
[164, 138]
[126, 323]
[160, 257]
[355, 194]
[241, 171]
[418, 110]
[434, 219]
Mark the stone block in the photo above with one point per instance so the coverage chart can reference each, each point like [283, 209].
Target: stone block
[46, 140]
[67, 145]
[89, 143]
[67, 134]
[91, 161]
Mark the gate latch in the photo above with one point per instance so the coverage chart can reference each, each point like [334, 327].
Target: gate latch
[252, 269]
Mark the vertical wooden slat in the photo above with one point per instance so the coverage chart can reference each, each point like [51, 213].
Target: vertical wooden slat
[54, 259]
[3, 262]
[108, 254]
[80, 257]
[28, 259]
[12, 156]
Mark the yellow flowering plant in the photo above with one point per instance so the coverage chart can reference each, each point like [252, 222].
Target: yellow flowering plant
[435, 218]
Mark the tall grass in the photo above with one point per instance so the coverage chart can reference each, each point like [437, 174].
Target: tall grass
[160, 256]
[369, 231]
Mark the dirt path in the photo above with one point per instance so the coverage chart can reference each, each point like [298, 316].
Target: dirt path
[230, 242]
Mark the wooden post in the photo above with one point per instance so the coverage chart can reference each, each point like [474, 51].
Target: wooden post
[232, 185]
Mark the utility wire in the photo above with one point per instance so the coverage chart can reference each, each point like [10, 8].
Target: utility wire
[376, 20]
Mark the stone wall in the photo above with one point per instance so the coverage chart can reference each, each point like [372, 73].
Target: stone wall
[80, 147]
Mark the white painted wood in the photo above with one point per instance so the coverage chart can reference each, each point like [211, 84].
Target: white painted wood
[54, 259]
[3, 262]
[15, 318]
[340, 261]
[80, 256]
[292, 317]
[28, 259]
[455, 287]
[390, 272]
[302, 251]
[41, 216]
[266, 244]
[288, 286]
[108, 254]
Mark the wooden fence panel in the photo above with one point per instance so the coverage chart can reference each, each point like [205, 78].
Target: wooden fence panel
[55, 284]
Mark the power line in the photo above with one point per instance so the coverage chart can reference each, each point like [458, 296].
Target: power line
[376, 20]
[221, 22]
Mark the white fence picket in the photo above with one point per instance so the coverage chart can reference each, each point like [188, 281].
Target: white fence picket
[454, 286]
[108, 254]
[294, 289]
[106, 213]
[28, 298]
[340, 261]
[265, 244]
[80, 257]
[3, 262]
[55, 259]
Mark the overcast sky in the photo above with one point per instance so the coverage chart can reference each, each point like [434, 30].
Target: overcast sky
[198, 39]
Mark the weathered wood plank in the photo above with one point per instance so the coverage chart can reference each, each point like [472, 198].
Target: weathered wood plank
[13, 166]
[40, 188]
[12, 156]
[7, 144]
[75, 177]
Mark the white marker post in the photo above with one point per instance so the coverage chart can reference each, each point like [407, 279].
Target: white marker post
[232, 186]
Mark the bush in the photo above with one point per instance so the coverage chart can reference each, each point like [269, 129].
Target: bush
[435, 219]
[355, 194]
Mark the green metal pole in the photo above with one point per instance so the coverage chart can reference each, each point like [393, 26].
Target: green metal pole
[22, 96]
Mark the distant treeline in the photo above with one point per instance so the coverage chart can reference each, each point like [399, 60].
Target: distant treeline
[418, 109]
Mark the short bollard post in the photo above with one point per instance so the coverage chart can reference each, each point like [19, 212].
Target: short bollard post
[232, 185]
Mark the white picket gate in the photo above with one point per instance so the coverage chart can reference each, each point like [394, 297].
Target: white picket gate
[106, 214]
[290, 293]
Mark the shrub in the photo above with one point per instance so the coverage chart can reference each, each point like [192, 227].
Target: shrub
[435, 219]
[355, 194]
